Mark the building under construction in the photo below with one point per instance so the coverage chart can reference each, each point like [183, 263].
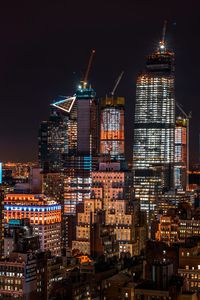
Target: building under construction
[112, 128]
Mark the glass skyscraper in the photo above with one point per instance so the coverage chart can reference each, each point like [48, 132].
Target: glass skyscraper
[58, 135]
[154, 127]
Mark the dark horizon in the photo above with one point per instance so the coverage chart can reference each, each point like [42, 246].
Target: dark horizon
[45, 51]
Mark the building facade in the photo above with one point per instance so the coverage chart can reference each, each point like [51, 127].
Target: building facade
[181, 149]
[58, 136]
[44, 216]
[154, 128]
[189, 266]
[112, 128]
[111, 192]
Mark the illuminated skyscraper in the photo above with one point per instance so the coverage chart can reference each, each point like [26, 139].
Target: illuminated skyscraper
[87, 122]
[78, 166]
[58, 135]
[112, 128]
[154, 127]
[67, 108]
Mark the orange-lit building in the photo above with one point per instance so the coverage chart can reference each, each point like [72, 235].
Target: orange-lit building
[112, 127]
[44, 215]
[19, 170]
[168, 230]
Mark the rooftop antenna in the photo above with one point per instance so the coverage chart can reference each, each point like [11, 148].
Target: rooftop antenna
[88, 69]
[117, 83]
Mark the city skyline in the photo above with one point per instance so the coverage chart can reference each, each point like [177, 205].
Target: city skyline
[39, 64]
[106, 205]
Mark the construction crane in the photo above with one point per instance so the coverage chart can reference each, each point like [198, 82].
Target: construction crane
[187, 117]
[117, 83]
[162, 42]
[164, 31]
[84, 82]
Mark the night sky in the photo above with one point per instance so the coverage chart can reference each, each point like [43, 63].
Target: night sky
[45, 48]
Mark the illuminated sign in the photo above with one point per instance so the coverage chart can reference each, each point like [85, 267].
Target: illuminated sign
[65, 104]
[14, 222]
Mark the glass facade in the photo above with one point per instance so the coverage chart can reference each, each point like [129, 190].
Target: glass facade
[58, 135]
[154, 128]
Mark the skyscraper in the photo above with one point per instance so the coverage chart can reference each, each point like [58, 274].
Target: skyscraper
[87, 123]
[154, 127]
[78, 165]
[58, 136]
[112, 127]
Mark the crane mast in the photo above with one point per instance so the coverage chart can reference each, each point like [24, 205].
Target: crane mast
[117, 83]
[88, 69]
[162, 41]
[164, 31]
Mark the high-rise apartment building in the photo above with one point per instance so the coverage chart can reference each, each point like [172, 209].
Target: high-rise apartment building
[44, 215]
[154, 127]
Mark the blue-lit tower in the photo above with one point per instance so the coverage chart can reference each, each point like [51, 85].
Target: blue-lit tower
[79, 165]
